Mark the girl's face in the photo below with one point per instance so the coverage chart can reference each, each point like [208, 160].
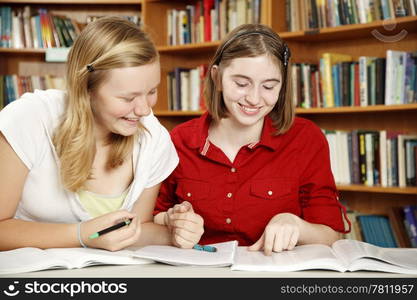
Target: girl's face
[125, 96]
[251, 87]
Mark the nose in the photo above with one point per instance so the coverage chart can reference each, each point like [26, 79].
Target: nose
[253, 97]
[142, 107]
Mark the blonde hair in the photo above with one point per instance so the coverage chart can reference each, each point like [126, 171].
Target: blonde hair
[104, 44]
[251, 40]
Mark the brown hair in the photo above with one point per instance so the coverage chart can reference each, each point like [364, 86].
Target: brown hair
[105, 44]
[251, 40]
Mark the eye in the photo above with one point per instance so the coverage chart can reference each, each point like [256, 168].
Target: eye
[127, 99]
[241, 84]
[153, 92]
[267, 87]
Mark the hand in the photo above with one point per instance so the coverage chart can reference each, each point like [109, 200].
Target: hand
[114, 240]
[281, 233]
[185, 225]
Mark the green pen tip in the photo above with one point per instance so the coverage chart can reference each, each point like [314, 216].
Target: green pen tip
[94, 235]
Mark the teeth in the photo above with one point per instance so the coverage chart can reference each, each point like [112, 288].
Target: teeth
[249, 109]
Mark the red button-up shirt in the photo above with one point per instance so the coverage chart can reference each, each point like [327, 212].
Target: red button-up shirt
[285, 173]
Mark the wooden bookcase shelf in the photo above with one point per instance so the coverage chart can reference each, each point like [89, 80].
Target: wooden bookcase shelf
[353, 31]
[378, 189]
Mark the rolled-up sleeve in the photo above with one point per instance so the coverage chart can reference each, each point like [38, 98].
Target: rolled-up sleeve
[318, 194]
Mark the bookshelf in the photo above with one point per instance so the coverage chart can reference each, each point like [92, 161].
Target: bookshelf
[306, 46]
[78, 10]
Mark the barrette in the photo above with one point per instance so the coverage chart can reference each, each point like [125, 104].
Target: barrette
[90, 68]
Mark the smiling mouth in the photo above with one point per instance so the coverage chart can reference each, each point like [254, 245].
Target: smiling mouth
[249, 109]
[131, 119]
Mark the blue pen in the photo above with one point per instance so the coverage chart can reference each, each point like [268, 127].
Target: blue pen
[205, 248]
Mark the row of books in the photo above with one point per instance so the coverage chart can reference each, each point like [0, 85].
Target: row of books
[340, 81]
[14, 86]
[397, 229]
[312, 14]
[25, 27]
[374, 158]
[209, 20]
[185, 88]
[21, 28]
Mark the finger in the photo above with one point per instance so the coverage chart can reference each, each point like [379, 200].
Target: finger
[178, 208]
[130, 239]
[122, 237]
[182, 242]
[279, 240]
[187, 225]
[188, 216]
[293, 240]
[269, 241]
[258, 245]
[188, 205]
[191, 237]
[126, 231]
[286, 237]
[116, 217]
[183, 207]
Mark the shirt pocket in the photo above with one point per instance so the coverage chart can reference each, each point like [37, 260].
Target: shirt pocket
[192, 190]
[273, 188]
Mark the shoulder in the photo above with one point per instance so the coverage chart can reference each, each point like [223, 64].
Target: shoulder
[305, 134]
[305, 127]
[41, 106]
[187, 131]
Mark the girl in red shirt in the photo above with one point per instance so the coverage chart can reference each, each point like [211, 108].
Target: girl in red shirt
[249, 169]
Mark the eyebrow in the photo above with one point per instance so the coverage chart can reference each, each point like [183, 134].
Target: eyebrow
[248, 78]
[121, 94]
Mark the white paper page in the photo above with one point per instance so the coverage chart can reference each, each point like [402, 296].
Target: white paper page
[177, 256]
[352, 250]
[370, 264]
[83, 257]
[303, 257]
[27, 260]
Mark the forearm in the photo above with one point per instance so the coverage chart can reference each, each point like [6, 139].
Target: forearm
[154, 234]
[18, 233]
[311, 233]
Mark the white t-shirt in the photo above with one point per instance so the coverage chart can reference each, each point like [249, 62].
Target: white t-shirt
[28, 125]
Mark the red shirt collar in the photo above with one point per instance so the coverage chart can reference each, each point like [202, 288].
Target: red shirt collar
[268, 139]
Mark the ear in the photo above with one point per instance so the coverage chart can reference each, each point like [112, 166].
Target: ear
[215, 76]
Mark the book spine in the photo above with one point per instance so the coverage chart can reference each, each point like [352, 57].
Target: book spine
[411, 224]
[362, 157]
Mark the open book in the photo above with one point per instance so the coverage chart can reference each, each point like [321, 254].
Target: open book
[344, 255]
[34, 259]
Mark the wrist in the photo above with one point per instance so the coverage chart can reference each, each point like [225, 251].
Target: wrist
[79, 235]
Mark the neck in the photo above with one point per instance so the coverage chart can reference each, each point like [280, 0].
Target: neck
[101, 136]
[228, 132]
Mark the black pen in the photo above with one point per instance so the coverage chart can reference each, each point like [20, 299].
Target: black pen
[109, 229]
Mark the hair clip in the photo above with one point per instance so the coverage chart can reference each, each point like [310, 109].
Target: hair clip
[287, 55]
[90, 68]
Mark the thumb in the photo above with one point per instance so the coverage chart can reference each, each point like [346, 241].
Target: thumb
[258, 245]
[188, 206]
